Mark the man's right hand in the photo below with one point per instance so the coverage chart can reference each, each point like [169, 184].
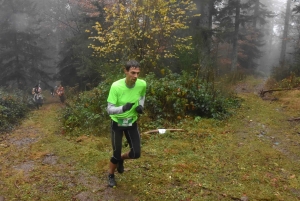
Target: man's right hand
[127, 106]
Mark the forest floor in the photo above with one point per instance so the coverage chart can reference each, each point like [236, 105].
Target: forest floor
[31, 169]
[255, 154]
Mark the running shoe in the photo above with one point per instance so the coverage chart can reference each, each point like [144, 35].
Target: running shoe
[111, 181]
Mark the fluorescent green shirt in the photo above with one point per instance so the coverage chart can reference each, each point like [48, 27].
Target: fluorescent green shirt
[120, 94]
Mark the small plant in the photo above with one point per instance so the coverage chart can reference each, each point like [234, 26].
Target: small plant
[13, 107]
[87, 110]
[290, 81]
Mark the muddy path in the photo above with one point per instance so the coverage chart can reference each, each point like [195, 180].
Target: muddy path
[31, 171]
[274, 126]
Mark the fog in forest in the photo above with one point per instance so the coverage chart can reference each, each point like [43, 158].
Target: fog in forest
[47, 41]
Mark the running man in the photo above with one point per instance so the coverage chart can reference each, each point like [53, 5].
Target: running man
[60, 91]
[37, 96]
[125, 101]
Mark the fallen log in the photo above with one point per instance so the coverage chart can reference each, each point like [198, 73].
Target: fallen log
[262, 92]
[294, 119]
[157, 130]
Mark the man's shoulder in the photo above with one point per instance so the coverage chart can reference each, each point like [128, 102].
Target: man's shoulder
[119, 82]
[140, 81]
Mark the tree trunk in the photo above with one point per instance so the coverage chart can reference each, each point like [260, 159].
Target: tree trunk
[255, 25]
[203, 23]
[235, 37]
[205, 7]
[285, 32]
[256, 13]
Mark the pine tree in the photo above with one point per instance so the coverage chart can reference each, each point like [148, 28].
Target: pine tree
[285, 32]
[239, 24]
[296, 9]
[252, 34]
[77, 65]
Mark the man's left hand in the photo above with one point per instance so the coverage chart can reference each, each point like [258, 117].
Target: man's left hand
[139, 109]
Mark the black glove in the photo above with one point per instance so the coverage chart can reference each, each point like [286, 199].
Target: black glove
[127, 106]
[139, 109]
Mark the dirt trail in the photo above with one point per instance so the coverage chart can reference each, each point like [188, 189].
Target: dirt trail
[283, 135]
[28, 174]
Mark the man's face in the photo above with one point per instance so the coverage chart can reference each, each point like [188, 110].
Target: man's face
[132, 74]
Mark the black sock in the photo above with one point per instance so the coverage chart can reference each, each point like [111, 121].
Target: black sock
[111, 175]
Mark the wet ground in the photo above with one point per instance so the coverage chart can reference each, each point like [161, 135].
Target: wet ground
[45, 171]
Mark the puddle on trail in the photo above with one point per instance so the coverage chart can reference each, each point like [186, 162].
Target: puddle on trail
[25, 136]
[50, 159]
[23, 142]
[25, 167]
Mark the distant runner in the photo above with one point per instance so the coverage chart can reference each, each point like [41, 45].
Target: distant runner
[60, 91]
[37, 96]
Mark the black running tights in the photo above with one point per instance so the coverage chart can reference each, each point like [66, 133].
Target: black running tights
[133, 138]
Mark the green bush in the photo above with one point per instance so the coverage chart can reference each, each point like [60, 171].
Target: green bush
[170, 99]
[290, 81]
[87, 111]
[285, 71]
[13, 107]
[174, 96]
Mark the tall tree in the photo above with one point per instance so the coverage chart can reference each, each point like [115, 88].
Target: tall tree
[228, 21]
[75, 62]
[236, 35]
[143, 30]
[77, 65]
[21, 56]
[285, 31]
[253, 32]
[239, 24]
[201, 29]
[203, 23]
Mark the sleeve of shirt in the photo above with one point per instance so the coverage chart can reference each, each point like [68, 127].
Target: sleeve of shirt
[142, 101]
[143, 95]
[112, 109]
[112, 102]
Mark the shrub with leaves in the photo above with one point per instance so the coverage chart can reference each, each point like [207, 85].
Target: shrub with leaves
[174, 96]
[87, 111]
[167, 99]
[13, 107]
[290, 81]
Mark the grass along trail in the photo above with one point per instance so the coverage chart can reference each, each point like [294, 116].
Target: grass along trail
[39, 163]
[253, 154]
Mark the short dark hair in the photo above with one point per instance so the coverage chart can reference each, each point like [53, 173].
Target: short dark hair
[132, 63]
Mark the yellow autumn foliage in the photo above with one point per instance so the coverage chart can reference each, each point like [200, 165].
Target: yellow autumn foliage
[143, 30]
